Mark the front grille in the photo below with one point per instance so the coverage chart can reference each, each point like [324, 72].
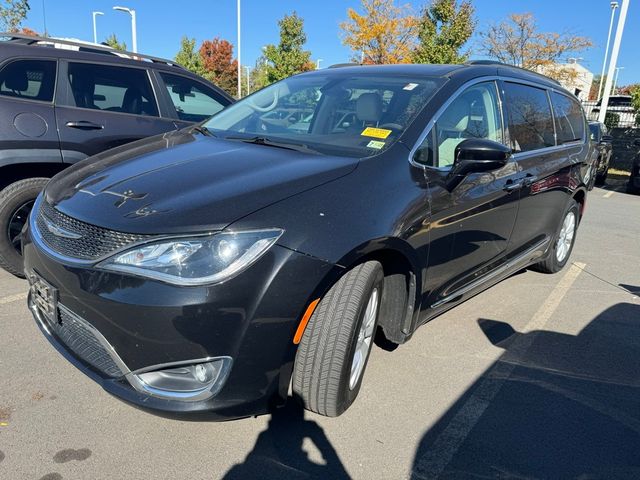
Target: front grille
[93, 242]
[79, 337]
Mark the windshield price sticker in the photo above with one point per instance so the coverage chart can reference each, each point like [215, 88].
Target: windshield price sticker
[376, 132]
[375, 144]
[410, 86]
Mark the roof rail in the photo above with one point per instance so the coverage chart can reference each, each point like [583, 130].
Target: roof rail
[340, 65]
[502, 64]
[86, 47]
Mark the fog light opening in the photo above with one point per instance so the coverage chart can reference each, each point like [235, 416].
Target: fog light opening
[188, 382]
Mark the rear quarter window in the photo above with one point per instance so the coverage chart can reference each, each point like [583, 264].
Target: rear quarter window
[29, 79]
[569, 118]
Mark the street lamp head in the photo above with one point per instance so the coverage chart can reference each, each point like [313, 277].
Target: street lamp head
[614, 5]
[124, 9]
[97, 13]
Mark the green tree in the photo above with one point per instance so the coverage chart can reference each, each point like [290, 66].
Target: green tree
[259, 77]
[113, 42]
[444, 27]
[288, 57]
[188, 57]
[12, 14]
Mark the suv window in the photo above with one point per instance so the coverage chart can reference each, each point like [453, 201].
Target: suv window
[33, 79]
[193, 101]
[112, 89]
[530, 120]
[569, 118]
[473, 114]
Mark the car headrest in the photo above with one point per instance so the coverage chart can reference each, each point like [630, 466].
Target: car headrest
[369, 107]
[132, 101]
[456, 116]
[17, 80]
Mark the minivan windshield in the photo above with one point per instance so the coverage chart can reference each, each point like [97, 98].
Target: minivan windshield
[357, 116]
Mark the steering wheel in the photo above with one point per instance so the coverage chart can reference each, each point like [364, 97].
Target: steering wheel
[257, 108]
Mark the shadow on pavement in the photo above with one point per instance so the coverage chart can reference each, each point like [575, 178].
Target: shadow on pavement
[554, 405]
[278, 452]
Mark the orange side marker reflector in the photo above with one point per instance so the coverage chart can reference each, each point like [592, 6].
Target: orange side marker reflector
[305, 319]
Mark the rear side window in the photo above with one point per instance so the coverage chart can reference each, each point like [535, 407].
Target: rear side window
[32, 79]
[112, 89]
[569, 118]
[193, 101]
[530, 120]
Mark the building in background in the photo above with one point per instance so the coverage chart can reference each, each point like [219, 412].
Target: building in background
[573, 76]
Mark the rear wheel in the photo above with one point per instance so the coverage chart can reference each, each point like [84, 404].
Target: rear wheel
[16, 202]
[335, 346]
[562, 247]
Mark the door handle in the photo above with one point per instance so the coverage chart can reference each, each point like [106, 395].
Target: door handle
[529, 180]
[512, 186]
[85, 125]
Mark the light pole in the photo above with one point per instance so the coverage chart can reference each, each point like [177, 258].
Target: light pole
[131, 12]
[615, 80]
[614, 6]
[614, 59]
[95, 31]
[239, 62]
[248, 69]
[318, 63]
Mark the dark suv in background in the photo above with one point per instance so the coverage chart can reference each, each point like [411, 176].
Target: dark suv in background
[63, 101]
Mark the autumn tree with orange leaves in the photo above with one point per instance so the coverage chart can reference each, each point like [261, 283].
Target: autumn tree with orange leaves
[383, 33]
[218, 64]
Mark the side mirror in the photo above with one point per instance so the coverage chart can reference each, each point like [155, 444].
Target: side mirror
[606, 138]
[476, 155]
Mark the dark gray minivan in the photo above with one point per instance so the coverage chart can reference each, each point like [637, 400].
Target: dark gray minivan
[62, 101]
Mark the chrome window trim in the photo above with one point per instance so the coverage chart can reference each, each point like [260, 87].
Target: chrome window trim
[484, 79]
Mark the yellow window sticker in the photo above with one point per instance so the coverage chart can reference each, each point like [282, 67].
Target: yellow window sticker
[375, 144]
[376, 132]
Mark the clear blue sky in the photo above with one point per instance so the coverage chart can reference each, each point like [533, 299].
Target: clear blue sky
[161, 24]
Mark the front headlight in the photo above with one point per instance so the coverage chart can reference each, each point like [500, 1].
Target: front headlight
[195, 260]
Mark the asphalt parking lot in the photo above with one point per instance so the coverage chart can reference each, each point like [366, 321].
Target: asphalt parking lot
[538, 377]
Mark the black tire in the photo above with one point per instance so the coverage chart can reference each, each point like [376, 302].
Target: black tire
[551, 264]
[15, 202]
[631, 188]
[323, 364]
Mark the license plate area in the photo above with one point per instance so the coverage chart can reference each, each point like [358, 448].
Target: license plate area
[45, 298]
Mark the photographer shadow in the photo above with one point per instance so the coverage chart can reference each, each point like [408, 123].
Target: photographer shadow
[279, 453]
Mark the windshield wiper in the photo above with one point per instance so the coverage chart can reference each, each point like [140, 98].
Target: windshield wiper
[203, 130]
[258, 140]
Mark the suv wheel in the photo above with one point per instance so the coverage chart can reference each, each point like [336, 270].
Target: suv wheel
[335, 346]
[16, 202]
[563, 243]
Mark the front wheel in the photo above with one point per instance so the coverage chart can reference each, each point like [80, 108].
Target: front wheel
[565, 238]
[334, 350]
[16, 202]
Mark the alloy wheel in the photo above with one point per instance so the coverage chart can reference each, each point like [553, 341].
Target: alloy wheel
[565, 238]
[365, 337]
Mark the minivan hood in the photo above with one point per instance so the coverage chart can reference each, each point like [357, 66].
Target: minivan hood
[186, 182]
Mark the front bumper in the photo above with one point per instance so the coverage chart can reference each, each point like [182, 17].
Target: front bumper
[132, 324]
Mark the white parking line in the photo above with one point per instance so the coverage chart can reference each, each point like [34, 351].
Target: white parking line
[13, 298]
[608, 194]
[448, 442]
